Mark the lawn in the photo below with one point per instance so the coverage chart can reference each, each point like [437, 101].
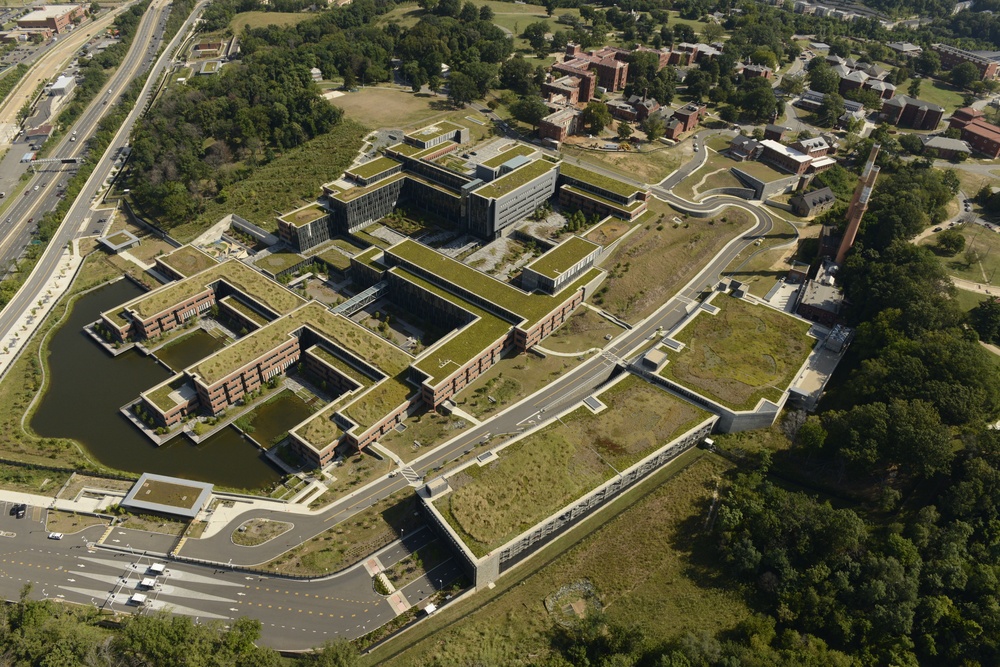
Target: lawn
[262, 19]
[648, 166]
[534, 477]
[353, 473]
[427, 427]
[391, 107]
[289, 181]
[607, 233]
[657, 260]
[943, 94]
[648, 563]
[968, 300]
[510, 380]
[983, 242]
[741, 354]
[762, 265]
[584, 330]
[70, 522]
[407, 15]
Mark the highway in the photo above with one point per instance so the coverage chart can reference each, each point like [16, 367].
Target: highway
[78, 221]
[544, 405]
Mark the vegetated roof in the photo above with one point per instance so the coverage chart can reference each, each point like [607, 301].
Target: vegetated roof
[628, 208]
[244, 310]
[340, 331]
[374, 167]
[160, 394]
[353, 193]
[556, 261]
[304, 215]
[378, 401]
[335, 258]
[442, 360]
[188, 260]
[598, 180]
[434, 131]
[368, 257]
[417, 153]
[760, 171]
[237, 274]
[545, 471]
[507, 154]
[531, 307]
[119, 238]
[277, 262]
[515, 179]
[340, 365]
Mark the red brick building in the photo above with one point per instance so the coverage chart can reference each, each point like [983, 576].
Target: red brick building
[983, 137]
[952, 56]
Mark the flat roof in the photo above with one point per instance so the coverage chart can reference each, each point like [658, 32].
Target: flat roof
[564, 256]
[188, 260]
[276, 262]
[119, 239]
[48, 12]
[628, 208]
[598, 180]
[353, 193]
[304, 214]
[515, 179]
[434, 131]
[787, 151]
[168, 495]
[338, 330]
[234, 272]
[374, 167]
[508, 153]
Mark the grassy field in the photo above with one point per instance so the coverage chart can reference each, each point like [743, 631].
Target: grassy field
[985, 242]
[943, 94]
[292, 179]
[350, 541]
[70, 522]
[648, 166]
[649, 564]
[585, 329]
[968, 300]
[353, 473]
[544, 471]
[406, 15]
[258, 531]
[762, 265]
[511, 379]
[426, 427]
[657, 260]
[262, 19]
[741, 354]
[391, 107]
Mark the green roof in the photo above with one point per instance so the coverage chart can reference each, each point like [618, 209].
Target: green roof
[277, 262]
[320, 429]
[188, 260]
[607, 202]
[556, 261]
[335, 258]
[160, 395]
[531, 307]
[342, 366]
[368, 258]
[373, 168]
[417, 153]
[119, 238]
[245, 310]
[409, 150]
[515, 179]
[340, 331]
[376, 403]
[598, 180]
[355, 192]
[434, 131]
[761, 171]
[237, 274]
[441, 361]
[305, 215]
[508, 154]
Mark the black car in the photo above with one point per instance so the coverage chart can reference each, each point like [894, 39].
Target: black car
[18, 510]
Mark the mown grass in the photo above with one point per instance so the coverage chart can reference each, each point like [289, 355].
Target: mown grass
[263, 19]
[644, 554]
[289, 181]
[741, 354]
[978, 239]
[758, 265]
[584, 330]
[650, 166]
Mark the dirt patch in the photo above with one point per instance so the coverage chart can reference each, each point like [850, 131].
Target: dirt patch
[255, 532]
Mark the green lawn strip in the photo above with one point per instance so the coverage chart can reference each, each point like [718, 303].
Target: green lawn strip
[740, 355]
[564, 256]
[515, 179]
[597, 180]
[547, 470]
[264, 19]
[244, 310]
[508, 154]
[188, 260]
[350, 194]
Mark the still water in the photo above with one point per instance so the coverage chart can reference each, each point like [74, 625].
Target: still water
[88, 386]
[189, 348]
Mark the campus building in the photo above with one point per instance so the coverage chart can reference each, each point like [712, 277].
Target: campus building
[951, 56]
[981, 136]
[51, 17]
[600, 195]
[795, 161]
[906, 111]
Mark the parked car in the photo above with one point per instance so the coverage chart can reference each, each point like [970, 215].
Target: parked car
[56, 536]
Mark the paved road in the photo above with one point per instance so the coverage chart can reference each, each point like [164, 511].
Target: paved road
[294, 614]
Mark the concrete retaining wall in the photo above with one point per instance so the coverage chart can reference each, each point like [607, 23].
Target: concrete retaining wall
[742, 193]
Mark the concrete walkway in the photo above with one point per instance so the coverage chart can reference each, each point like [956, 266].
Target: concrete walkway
[544, 350]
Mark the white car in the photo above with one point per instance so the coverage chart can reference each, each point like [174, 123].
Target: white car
[56, 536]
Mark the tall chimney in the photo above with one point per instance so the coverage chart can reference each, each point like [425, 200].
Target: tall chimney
[859, 203]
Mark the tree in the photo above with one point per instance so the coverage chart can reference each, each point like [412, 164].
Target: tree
[529, 109]
[823, 79]
[928, 62]
[911, 143]
[985, 319]
[535, 34]
[518, 75]
[461, 89]
[415, 75]
[913, 90]
[624, 131]
[951, 242]
[793, 85]
[964, 74]
[486, 13]
[340, 653]
[596, 116]
[830, 110]
[95, 7]
[712, 32]
[654, 127]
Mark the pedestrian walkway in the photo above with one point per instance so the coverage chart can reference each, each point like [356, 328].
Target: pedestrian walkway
[545, 350]
[459, 412]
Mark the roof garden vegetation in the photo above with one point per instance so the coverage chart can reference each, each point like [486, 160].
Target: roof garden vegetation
[607, 202]
[598, 180]
[277, 262]
[245, 310]
[368, 257]
[168, 493]
[515, 179]
[375, 403]
[508, 154]
[531, 307]
[608, 231]
[434, 131]
[240, 276]
[365, 236]
[373, 168]
[188, 260]
[341, 331]
[320, 429]
[336, 259]
[351, 194]
[443, 360]
[545, 471]
[304, 215]
[340, 365]
[119, 238]
[743, 353]
[409, 150]
[564, 256]
[761, 171]
[160, 396]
